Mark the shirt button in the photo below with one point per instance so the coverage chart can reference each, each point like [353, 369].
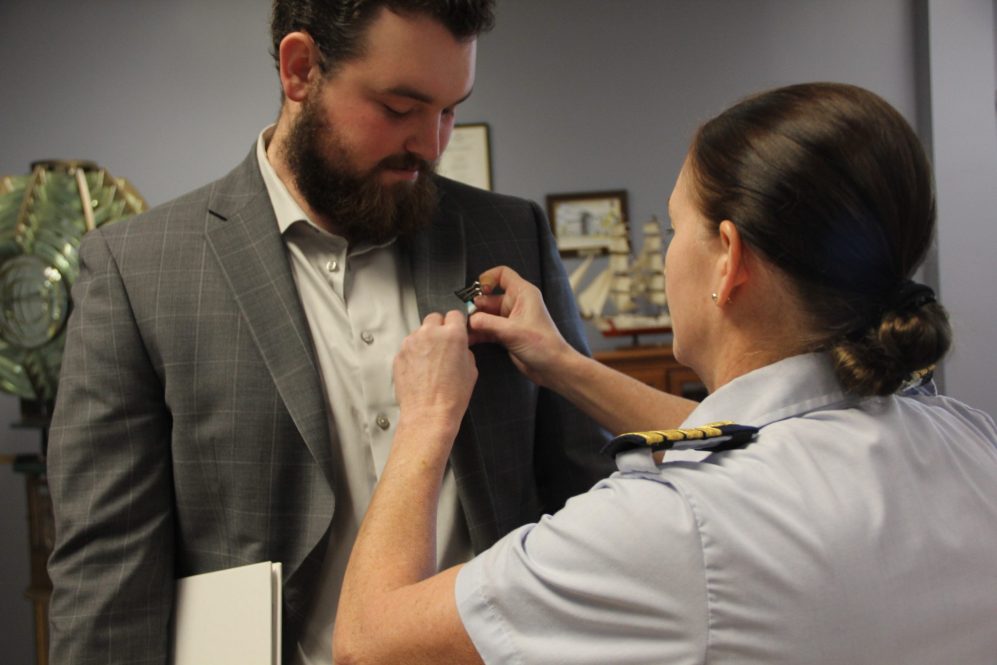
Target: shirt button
[383, 422]
[332, 265]
[367, 337]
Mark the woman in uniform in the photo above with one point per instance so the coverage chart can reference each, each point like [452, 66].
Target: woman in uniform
[822, 505]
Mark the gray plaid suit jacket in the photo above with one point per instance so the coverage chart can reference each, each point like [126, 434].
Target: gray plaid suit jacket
[190, 432]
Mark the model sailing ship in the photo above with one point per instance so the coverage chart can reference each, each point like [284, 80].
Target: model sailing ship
[628, 297]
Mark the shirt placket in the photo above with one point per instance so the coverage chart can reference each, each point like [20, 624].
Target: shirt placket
[376, 345]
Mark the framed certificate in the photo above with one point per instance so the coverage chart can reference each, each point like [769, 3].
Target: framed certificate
[467, 158]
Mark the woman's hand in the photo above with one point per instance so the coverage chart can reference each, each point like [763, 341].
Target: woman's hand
[392, 607]
[518, 319]
[435, 373]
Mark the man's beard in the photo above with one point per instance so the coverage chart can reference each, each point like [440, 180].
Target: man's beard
[357, 205]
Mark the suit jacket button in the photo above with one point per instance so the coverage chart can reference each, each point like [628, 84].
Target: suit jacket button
[383, 422]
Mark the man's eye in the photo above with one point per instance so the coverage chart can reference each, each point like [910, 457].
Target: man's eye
[395, 113]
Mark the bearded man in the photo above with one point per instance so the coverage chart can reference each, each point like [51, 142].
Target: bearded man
[226, 395]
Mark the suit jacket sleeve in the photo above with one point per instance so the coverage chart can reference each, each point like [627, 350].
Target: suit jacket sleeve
[567, 458]
[109, 472]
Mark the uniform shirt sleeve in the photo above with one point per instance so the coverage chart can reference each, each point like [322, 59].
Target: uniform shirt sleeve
[614, 577]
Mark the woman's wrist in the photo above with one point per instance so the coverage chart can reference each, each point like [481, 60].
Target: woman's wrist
[570, 366]
[427, 434]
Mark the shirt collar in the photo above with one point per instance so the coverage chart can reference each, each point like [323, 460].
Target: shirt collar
[787, 388]
[790, 387]
[285, 208]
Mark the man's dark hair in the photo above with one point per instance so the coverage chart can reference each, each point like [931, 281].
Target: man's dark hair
[339, 26]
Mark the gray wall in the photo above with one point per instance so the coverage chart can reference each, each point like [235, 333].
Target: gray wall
[587, 95]
[963, 79]
[168, 94]
[580, 95]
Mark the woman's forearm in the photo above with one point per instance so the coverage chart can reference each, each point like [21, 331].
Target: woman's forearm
[619, 403]
[518, 319]
[393, 607]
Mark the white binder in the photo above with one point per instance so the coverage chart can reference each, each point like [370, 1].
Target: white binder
[228, 617]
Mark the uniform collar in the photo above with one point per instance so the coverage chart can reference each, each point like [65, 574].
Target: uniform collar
[787, 388]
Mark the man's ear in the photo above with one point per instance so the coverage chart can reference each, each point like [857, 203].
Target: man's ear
[299, 65]
[733, 264]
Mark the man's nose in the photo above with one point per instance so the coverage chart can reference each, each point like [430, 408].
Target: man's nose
[427, 141]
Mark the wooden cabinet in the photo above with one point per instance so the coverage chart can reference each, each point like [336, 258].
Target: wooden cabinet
[41, 536]
[656, 366]
[41, 524]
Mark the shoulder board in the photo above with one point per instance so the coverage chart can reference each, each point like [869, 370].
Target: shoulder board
[714, 437]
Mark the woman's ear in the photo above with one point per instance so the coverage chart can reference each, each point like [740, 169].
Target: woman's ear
[733, 264]
[299, 65]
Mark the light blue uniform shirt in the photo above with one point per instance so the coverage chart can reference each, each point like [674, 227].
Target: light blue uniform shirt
[851, 531]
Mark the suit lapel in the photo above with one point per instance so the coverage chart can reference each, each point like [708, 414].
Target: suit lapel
[439, 267]
[439, 262]
[244, 237]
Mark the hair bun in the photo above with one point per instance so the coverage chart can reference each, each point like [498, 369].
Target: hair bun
[912, 335]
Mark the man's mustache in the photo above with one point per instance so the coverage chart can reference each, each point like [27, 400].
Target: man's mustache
[406, 162]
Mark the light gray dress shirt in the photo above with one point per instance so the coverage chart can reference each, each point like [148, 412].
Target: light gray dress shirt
[851, 531]
[360, 305]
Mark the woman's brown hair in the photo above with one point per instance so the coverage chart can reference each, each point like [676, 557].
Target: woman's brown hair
[830, 184]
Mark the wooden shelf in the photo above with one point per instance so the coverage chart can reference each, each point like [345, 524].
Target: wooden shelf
[656, 366]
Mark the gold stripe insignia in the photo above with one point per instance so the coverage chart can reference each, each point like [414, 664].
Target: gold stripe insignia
[723, 435]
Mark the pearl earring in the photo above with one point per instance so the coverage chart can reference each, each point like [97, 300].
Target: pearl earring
[715, 297]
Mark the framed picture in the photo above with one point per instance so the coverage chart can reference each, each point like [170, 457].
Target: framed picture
[585, 222]
[468, 158]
